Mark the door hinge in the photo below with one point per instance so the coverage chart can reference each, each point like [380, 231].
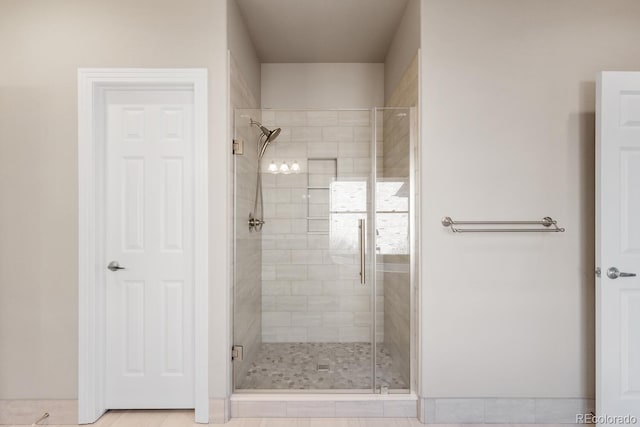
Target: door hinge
[238, 147]
[236, 353]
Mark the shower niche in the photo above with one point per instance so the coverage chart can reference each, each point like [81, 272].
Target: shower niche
[321, 173]
[323, 291]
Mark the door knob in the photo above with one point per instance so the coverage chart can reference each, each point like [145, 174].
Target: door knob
[114, 266]
[614, 273]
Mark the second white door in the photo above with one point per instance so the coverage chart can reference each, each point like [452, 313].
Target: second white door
[149, 255]
[618, 246]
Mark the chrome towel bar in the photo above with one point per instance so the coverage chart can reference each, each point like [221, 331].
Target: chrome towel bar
[550, 226]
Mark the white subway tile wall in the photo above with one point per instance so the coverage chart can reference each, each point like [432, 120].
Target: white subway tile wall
[310, 287]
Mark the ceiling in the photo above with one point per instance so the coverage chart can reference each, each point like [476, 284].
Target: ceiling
[322, 30]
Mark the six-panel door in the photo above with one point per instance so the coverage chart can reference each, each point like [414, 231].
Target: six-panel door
[618, 245]
[149, 217]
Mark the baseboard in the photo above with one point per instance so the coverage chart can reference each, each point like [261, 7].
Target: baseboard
[428, 410]
[28, 411]
[219, 411]
[501, 410]
[323, 406]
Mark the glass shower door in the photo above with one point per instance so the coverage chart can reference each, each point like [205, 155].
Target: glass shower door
[311, 313]
[351, 318]
[304, 286]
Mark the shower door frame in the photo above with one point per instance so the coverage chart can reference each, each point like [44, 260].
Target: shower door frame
[371, 248]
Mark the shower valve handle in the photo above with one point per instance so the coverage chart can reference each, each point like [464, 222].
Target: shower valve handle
[255, 223]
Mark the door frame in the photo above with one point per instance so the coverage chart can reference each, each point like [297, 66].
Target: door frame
[92, 85]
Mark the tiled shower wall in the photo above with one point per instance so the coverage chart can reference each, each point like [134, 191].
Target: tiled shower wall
[396, 164]
[248, 246]
[310, 284]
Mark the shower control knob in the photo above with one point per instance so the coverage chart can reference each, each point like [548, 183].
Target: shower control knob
[255, 223]
[614, 273]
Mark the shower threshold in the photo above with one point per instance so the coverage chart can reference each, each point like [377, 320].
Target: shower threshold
[323, 405]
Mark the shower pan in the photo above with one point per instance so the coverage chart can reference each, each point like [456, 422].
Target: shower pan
[323, 268]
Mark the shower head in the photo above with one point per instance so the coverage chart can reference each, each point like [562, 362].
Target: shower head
[270, 136]
[268, 133]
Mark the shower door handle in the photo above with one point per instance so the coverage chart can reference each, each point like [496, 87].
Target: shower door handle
[361, 233]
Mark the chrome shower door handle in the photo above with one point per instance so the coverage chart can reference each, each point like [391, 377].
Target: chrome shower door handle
[114, 266]
[614, 273]
[361, 233]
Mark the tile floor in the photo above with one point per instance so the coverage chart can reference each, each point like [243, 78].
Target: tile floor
[181, 418]
[294, 366]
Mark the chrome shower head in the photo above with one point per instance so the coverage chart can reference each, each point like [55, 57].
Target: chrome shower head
[268, 133]
[273, 134]
[270, 136]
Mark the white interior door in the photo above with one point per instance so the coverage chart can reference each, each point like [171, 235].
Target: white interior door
[149, 220]
[618, 245]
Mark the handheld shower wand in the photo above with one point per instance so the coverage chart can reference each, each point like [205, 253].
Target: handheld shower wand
[256, 222]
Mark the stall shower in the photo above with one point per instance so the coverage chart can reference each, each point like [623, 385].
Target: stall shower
[324, 206]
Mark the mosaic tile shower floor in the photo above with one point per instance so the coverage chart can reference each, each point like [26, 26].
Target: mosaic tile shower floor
[294, 366]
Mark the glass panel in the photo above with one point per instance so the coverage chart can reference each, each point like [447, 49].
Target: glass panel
[393, 253]
[247, 246]
[301, 313]
[392, 216]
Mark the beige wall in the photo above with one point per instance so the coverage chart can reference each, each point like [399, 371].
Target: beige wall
[402, 50]
[508, 114]
[42, 44]
[322, 86]
[243, 49]
[508, 133]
